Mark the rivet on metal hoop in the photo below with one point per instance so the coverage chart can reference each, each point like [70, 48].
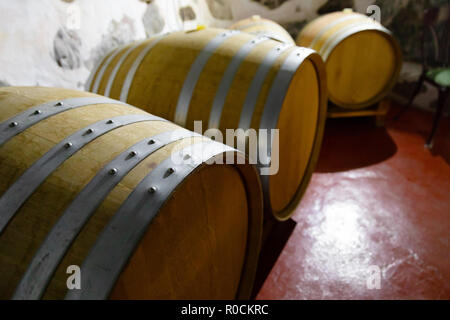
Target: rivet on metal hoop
[109, 122]
[13, 124]
[133, 153]
[68, 145]
[37, 112]
[171, 170]
[112, 171]
[151, 141]
[152, 190]
[89, 131]
[59, 104]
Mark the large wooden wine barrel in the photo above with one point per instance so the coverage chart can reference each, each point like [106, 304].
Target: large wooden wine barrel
[263, 27]
[362, 58]
[92, 182]
[229, 79]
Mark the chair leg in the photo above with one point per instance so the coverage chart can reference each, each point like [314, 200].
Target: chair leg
[443, 97]
[411, 98]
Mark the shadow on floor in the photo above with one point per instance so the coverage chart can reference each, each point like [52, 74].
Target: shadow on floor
[275, 238]
[352, 143]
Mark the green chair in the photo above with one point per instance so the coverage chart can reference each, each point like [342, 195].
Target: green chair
[436, 73]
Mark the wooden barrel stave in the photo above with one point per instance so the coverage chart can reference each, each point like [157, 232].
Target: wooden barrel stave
[207, 76]
[31, 224]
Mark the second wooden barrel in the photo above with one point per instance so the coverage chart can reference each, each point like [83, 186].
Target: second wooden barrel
[263, 27]
[229, 79]
[363, 59]
[90, 182]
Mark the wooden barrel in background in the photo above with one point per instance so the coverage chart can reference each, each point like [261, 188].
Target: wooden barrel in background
[93, 182]
[362, 58]
[263, 27]
[229, 79]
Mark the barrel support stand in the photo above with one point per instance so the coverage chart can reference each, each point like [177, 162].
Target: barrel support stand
[379, 111]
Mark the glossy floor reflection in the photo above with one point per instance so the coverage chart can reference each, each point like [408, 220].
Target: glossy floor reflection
[379, 201]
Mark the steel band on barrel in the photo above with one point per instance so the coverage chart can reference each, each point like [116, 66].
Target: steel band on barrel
[184, 99]
[19, 123]
[124, 231]
[66, 229]
[35, 175]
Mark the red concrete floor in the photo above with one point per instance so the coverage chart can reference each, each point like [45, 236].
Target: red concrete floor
[378, 198]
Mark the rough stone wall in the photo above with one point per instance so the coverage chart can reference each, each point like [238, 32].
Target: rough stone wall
[58, 42]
